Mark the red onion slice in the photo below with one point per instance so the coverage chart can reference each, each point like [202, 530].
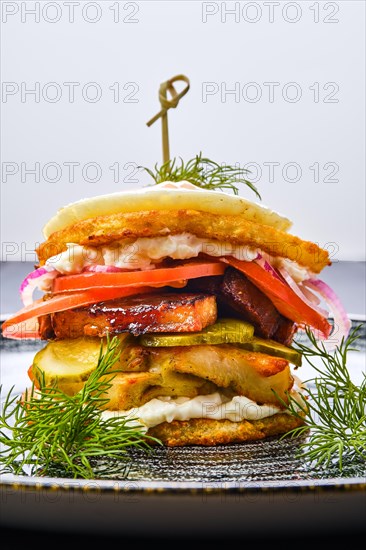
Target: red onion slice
[295, 287]
[41, 279]
[309, 294]
[341, 321]
[267, 266]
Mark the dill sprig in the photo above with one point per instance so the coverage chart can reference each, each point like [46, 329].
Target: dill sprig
[202, 172]
[48, 430]
[332, 405]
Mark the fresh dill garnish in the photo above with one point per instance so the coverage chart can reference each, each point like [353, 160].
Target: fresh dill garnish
[48, 430]
[334, 408]
[202, 172]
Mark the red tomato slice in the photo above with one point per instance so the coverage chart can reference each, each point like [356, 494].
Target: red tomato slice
[158, 276]
[32, 378]
[285, 300]
[24, 323]
[27, 329]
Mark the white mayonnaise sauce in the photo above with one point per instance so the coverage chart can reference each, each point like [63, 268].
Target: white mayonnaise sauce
[144, 253]
[214, 406]
[297, 272]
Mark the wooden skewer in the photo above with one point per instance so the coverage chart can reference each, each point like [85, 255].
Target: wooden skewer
[167, 104]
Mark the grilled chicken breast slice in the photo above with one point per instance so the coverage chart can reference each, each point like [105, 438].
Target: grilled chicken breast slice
[256, 375]
[198, 370]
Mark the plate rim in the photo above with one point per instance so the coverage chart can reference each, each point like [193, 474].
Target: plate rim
[22, 482]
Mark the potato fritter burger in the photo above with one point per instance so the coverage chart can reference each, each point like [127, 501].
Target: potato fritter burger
[205, 291]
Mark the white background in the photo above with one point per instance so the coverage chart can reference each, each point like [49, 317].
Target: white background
[297, 115]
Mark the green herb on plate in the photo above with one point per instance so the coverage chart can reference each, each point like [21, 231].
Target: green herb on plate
[333, 405]
[48, 430]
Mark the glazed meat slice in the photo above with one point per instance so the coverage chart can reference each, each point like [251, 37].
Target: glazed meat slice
[247, 299]
[238, 297]
[207, 285]
[285, 331]
[139, 314]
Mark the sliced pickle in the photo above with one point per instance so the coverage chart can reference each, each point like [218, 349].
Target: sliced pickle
[66, 361]
[270, 347]
[225, 331]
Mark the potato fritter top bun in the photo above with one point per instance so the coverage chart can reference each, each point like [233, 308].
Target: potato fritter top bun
[168, 196]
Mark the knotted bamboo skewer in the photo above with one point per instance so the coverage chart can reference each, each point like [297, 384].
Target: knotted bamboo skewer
[166, 104]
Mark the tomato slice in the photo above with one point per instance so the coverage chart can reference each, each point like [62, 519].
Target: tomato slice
[32, 378]
[285, 300]
[24, 323]
[158, 276]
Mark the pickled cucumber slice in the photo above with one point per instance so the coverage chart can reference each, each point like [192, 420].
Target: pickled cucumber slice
[270, 347]
[66, 363]
[225, 331]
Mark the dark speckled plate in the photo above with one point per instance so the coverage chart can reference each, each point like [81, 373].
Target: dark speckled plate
[232, 489]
